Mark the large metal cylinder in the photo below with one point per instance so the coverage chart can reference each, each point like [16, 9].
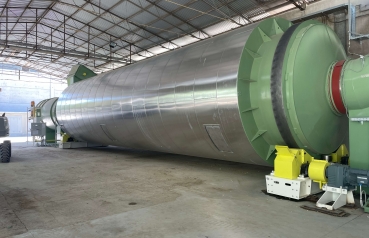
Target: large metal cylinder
[182, 102]
[232, 97]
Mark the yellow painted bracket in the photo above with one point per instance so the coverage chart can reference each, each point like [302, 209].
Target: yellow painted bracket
[288, 162]
[65, 137]
[341, 152]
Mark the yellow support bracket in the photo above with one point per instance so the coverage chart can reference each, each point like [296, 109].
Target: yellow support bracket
[65, 137]
[341, 152]
[288, 162]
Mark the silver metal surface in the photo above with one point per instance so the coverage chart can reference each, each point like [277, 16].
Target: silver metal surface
[166, 103]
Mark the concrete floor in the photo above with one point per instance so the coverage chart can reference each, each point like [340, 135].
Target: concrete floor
[115, 192]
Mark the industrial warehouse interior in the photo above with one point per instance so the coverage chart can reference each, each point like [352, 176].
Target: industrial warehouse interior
[184, 118]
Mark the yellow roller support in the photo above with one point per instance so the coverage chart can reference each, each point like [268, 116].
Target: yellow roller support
[317, 171]
[65, 137]
[341, 152]
[288, 162]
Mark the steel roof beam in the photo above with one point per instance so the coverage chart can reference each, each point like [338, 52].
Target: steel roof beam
[221, 12]
[68, 17]
[7, 18]
[158, 18]
[44, 39]
[69, 35]
[53, 30]
[147, 38]
[179, 18]
[99, 30]
[104, 31]
[117, 24]
[35, 68]
[130, 22]
[188, 21]
[237, 12]
[57, 51]
[39, 59]
[39, 18]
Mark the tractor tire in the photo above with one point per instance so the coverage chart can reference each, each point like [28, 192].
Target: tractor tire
[10, 146]
[4, 153]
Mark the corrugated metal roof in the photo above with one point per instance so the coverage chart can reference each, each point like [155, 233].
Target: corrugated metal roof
[138, 28]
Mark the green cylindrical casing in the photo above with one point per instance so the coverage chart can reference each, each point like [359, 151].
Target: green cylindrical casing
[355, 83]
[355, 96]
[48, 114]
[283, 78]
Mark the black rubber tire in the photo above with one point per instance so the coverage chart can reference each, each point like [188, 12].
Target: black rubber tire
[10, 146]
[276, 88]
[4, 153]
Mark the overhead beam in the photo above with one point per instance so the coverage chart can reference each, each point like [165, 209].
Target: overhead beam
[96, 57]
[221, 12]
[38, 19]
[35, 68]
[158, 18]
[92, 27]
[130, 22]
[314, 9]
[299, 4]
[58, 51]
[178, 18]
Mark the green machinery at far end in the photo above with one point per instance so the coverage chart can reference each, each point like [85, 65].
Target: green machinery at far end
[44, 124]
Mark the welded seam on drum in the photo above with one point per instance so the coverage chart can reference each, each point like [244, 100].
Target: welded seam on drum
[140, 119]
[195, 73]
[88, 89]
[108, 117]
[113, 98]
[158, 99]
[92, 113]
[71, 122]
[78, 106]
[123, 129]
[155, 135]
[160, 87]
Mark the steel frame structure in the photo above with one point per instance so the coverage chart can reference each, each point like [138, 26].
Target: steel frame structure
[50, 36]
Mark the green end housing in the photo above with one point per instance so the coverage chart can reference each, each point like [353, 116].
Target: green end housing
[355, 96]
[282, 88]
[254, 83]
[46, 109]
